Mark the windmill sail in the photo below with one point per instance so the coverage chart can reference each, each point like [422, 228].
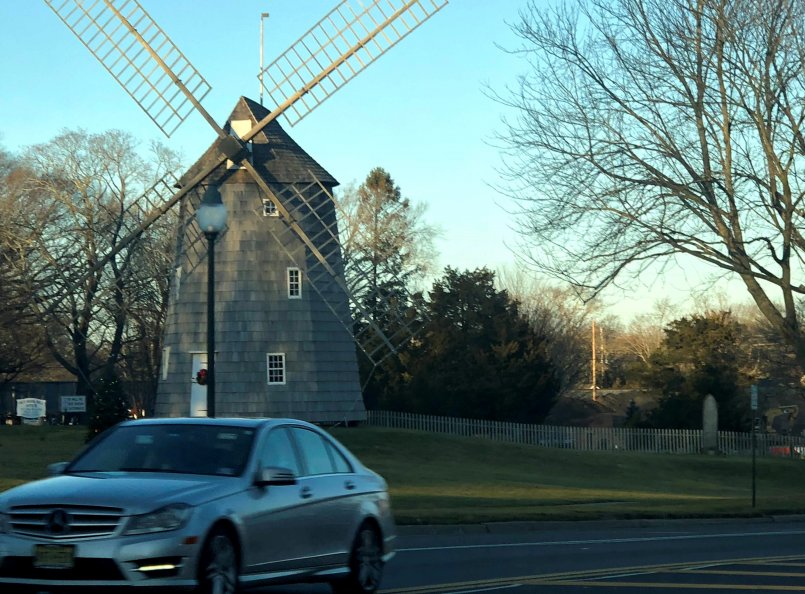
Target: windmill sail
[130, 45]
[337, 48]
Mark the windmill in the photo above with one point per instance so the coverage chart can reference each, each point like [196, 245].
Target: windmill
[289, 321]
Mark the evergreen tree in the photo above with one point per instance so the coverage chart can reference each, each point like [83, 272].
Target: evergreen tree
[387, 250]
[478, 357]
[108, 407]
[699, 355]
[634, 416]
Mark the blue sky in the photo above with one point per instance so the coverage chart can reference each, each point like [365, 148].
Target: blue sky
[420, 111]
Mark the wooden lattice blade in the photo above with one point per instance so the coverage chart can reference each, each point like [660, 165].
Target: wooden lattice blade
[376, 340]
[337, 48]
[139, 55]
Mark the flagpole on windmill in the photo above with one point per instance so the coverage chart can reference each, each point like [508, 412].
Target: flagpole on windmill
[263, 17]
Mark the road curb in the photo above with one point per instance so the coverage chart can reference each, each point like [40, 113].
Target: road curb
[549, 525]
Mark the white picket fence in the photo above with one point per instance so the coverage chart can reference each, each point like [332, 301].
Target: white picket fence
[674, 441]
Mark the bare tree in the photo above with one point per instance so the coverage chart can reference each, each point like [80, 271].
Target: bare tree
[649, 129]
[644, 332]
[21, 332]
[86, 187]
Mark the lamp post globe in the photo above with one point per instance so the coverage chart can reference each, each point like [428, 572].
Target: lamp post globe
[211, 214]
[211, 218]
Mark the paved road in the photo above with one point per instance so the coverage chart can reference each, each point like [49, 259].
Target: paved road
[617, 558]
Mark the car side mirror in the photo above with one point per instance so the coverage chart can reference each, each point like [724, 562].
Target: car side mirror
[274, 475]
[57, 468]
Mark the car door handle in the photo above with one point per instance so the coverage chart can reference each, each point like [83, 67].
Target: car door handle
[306, 493]
[349, 485]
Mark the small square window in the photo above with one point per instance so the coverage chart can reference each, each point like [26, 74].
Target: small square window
[294, 283]
[269, 208]
[275, 363]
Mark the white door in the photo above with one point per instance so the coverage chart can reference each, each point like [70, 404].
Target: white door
[198, 393]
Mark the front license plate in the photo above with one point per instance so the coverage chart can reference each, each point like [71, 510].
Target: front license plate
[54, 556]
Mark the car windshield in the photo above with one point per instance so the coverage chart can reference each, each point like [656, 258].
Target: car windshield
[183, 449]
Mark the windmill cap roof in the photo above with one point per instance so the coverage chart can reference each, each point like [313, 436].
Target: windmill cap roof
[275, 155]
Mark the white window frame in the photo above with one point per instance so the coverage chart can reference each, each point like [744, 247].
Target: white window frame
[269, 208]
[294, 286]
[275, 362]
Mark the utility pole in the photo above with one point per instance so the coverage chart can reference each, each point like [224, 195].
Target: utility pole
[602, 351]
[595, 383]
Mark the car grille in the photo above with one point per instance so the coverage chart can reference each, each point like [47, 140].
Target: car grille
[60, 522]
[104, 570]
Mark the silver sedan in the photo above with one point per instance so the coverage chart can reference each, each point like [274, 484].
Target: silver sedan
[207, 505]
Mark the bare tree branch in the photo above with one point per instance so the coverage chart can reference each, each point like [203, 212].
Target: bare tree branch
[647, 129]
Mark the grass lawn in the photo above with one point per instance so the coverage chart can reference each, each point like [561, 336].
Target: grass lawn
[443, 479]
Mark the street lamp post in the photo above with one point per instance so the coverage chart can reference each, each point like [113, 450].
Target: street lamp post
[211, 218]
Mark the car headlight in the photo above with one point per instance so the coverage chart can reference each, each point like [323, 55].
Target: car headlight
[163, 519]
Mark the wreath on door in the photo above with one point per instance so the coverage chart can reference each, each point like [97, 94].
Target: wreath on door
[201, 377]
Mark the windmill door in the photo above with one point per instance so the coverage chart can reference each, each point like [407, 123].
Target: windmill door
[198, 393]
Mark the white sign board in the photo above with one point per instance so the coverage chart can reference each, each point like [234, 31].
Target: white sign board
[74, 404]
[31, 408]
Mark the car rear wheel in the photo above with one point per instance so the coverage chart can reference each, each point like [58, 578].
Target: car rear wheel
[218, 568]
[365, 564]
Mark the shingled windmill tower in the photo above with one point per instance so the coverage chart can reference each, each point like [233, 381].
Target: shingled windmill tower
[287, 321]
[281, 351]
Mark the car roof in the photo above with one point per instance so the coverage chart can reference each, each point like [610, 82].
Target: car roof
[217, 421]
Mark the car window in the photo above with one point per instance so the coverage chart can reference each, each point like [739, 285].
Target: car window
[314, 451]
[278, 451]
[340, 462]
[184, 449]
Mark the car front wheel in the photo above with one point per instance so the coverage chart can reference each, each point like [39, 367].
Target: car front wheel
[218, 568]
[365, 564]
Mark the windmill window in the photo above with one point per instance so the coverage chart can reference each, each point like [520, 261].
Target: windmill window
[294, 283]
[166, 357]
[276, 368]
[177, 282]
[269, 208]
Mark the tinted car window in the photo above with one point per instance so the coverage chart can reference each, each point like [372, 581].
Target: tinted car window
[314, 451]
[278, 451]
[188, 449]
